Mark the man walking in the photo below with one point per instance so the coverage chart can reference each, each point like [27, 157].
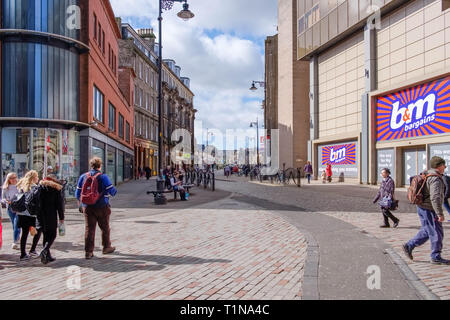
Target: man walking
[431, 214]
[98, 212]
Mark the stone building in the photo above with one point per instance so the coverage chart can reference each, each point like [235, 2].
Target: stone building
[379, 84]
[178, 111]
[293, 90]
[137, 53]
[271, 91]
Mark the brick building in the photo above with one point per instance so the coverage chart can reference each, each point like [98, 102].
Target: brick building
[106, 94]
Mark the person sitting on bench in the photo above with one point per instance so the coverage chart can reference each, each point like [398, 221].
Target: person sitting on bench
[177, 185]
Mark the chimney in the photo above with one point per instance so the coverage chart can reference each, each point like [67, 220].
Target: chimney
[148, 36]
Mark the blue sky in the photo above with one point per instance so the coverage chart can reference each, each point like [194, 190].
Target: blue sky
[221, 50]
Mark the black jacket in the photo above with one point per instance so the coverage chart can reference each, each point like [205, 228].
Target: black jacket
[52, 204]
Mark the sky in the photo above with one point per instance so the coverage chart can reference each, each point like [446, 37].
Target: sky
[221, 50]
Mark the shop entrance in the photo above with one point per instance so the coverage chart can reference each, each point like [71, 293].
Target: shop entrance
[414, 162]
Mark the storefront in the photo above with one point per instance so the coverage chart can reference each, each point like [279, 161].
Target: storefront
[44, 150]
[343, 158]
[411, 125]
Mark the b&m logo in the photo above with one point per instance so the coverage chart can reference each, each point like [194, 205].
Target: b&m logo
[419, 111]
[339, 155]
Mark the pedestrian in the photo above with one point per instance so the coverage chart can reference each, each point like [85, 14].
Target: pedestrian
[386, 195]
[447, 193]
[51, 207]
[308, 171]
[167, 174]
[177, 185]
[100, 211]
[148, 172]
[26, 221]
[431, 213]
[9, 191]
[324, 177]
[329, 172]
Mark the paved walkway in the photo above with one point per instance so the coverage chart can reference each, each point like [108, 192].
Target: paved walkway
[222, 250]
[348, 245]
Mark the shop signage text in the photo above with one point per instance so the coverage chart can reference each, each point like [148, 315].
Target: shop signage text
[339, 154]
[418, 111]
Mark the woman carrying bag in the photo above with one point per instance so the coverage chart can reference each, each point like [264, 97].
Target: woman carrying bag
[385, 198]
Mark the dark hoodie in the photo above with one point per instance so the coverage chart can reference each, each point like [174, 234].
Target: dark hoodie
[52, 204]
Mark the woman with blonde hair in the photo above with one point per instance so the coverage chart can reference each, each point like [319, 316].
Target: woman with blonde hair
[9, 191]
[26, 220]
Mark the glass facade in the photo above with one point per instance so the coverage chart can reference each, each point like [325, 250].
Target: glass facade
[39, 81]
[39, 149]
[319, 21]
[111, 165]
[43, 15]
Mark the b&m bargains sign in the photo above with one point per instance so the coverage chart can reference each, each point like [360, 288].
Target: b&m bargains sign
[339, 154]
[419, 111]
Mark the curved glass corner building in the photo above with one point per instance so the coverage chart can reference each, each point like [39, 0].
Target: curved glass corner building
[40, 109]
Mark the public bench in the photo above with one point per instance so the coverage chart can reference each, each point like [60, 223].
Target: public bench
[187, 188]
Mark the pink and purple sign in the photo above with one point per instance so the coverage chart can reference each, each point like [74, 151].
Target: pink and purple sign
[344, 154]
[423, 110]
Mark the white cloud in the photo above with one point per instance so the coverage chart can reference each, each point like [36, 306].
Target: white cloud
[221, 50]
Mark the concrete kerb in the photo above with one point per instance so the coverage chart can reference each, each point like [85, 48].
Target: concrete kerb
[410, 277]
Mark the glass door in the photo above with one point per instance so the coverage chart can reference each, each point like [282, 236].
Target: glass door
[414, 162]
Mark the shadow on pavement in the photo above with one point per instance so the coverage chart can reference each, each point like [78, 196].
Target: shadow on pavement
[117, 262]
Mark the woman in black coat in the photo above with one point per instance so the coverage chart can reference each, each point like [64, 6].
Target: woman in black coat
[387, 189]
[52, 206]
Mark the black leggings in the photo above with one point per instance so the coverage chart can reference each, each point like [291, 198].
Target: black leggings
[24, 238]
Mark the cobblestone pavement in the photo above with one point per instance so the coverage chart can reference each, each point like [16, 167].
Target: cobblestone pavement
[352, 204]
[221, 250]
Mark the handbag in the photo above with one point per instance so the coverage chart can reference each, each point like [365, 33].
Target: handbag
[386, 202]
[394, 205]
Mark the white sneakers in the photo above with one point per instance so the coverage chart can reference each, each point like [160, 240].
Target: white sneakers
[15, 246]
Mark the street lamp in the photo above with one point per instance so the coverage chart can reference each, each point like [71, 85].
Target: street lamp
[261, 84]
[207, 145]
[185, 14]
[252, 124]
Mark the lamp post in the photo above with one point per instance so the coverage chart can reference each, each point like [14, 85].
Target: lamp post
[207, 145]
[257, 137]
[185, 14]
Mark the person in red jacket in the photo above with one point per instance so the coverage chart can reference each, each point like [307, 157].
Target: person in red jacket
[329, 172]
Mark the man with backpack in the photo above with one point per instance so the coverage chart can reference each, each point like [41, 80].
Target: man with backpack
[93, 191]
[427, 192]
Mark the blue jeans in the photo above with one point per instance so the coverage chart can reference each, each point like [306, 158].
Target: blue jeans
[447, 206]
[308, 175]
[432, 230]
[14, 218]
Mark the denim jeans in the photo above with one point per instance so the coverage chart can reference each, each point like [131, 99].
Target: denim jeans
[447, 206]
[431, 230]
[308, 175]
[14, 218]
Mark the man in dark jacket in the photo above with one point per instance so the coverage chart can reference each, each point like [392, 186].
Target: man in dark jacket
[51, 207]
[431, 214]
[99, 212]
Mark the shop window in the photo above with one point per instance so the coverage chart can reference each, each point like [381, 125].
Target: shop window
[120, 164]
[111, 165]
[98, 104]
